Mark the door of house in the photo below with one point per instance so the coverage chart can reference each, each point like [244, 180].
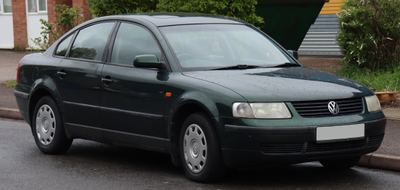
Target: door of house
[36, 10]
[6, 21]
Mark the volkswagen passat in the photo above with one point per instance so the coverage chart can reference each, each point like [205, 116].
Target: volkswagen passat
[213, 92]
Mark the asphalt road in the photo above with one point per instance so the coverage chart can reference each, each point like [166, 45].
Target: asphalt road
[91, 165]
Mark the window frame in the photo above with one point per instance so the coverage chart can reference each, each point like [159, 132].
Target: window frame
[76, 33]
[163, 58]
[68, 47]
[2, 8]
[38, 11]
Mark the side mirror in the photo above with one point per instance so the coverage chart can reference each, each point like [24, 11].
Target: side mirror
[294, 53]
[148, 61]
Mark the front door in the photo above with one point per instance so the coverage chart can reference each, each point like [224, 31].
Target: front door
[132, 98]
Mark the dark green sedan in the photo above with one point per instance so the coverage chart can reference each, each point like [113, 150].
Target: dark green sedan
[213, 92]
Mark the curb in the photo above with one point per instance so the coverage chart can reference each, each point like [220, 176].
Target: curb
[380, 161]
[10, 113]
[392, 113]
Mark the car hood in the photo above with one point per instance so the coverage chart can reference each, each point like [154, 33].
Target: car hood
[283, 84]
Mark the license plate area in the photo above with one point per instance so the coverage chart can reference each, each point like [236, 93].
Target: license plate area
[337, 133]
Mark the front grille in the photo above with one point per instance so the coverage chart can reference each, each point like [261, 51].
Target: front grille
[312, 147]
[320, 108]
[281, 148]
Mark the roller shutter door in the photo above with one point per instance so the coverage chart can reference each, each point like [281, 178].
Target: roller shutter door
[321, 37]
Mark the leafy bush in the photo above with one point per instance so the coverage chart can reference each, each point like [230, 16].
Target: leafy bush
[369, 33]
[243, 9]
[110, 7]
[48, 36]
[67, 18]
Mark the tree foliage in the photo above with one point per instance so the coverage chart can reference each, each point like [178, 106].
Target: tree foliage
[115, 7]
[241, 9]
[369, 33]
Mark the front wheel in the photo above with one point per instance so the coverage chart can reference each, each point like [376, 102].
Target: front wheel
[200, 150]
[48, 128]
[343, 163]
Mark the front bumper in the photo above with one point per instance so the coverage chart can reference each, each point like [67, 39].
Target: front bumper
[287, 145]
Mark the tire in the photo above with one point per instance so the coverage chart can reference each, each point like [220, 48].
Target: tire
[343, 163]
[200, 150]
[48, 129]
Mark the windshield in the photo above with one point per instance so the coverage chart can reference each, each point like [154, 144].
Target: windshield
[216, 46]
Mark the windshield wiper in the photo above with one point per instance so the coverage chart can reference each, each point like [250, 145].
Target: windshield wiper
[237, 67]
[287, 65]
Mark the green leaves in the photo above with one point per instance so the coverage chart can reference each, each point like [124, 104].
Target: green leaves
[241, 9]
[67, 18]
[369, 33]
[116, 7]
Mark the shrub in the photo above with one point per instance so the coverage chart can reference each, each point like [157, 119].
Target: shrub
[244, 9]
[110, 7]
[369, 33]
[67, 18]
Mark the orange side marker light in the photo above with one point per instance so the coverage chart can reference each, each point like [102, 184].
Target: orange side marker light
[168, 94]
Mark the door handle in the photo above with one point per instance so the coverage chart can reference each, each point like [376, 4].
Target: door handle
[107, 80]
[61, 74]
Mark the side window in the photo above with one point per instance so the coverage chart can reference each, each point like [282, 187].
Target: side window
[90, 42]
[133, 40]
[62, 47]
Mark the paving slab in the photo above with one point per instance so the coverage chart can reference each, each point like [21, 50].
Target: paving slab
[7, 98]
[9, 63]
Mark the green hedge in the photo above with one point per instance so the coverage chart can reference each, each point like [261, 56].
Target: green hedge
[370, 33]
[241, 9]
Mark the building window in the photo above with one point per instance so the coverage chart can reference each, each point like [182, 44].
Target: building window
[35, 6]
[5, 6]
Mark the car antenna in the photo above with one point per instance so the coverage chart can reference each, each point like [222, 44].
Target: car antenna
[124, 7]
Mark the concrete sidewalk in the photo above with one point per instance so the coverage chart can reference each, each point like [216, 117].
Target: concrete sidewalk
[387, 157]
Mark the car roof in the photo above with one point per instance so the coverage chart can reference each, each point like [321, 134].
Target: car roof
[169, 19]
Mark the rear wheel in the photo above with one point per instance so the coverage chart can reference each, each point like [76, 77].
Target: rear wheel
[200, 150]
[343, 163]
[48, 129]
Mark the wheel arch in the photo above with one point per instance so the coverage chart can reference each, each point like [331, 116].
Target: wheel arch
[178, 117]
[41, 89]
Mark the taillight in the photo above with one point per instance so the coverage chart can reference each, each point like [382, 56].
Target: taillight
[19, 65]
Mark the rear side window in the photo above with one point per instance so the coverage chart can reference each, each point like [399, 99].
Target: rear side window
[62, 48]
[133, 40]
[90, 42]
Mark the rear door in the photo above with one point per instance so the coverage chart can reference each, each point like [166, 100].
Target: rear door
[132, 98]
[79, 76]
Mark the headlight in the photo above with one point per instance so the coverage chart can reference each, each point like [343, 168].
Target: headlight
[372, 103]
[261, 110]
